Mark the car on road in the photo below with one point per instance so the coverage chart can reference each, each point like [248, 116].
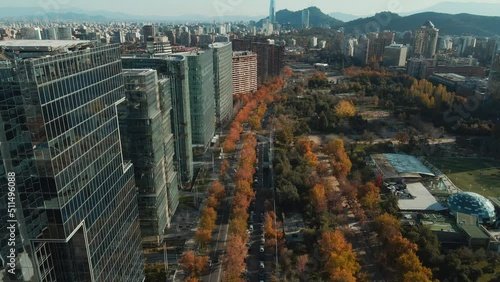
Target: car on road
[250, 227]
[262, 276]
[261, 248]
[263, 240]
[262, 265]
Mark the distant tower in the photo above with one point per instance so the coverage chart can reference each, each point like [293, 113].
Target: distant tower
[425, 42]
[494, 78]
[305, 18]
[272, 12]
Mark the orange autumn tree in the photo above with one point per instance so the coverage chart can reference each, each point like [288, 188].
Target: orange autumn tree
[193, 265]
[305, 148]
[318, 198]
[217, 190]
[234, 261]
[340, 261]
[369, 197]
[223, 169]
[345, 109]
[340, 161]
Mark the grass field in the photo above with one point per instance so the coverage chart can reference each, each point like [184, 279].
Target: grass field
[471, 174]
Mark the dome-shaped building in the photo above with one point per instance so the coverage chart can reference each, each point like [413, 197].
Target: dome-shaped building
[473, 204]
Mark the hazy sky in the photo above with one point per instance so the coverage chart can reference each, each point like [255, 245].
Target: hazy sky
[237, 7]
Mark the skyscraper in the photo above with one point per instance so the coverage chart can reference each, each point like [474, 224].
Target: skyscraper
[175, 68]
[147, 141]
[223, 69]
[77, 216]
[305, 18]
[202, 98]
[425, 42]
[272, 12]
[148, 31]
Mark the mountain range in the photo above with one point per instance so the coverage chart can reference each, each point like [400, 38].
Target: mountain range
[451, 24]
[447, 24]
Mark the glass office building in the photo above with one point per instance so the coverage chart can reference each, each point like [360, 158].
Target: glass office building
[175, 68]
[223, 81]
[148, 142]
[75, 195]
[202, 97]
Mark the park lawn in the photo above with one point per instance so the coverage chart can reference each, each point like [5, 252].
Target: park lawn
[477, 175]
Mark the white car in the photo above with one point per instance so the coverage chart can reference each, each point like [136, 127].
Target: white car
[261, 265]
[261, 248]
[250, 227]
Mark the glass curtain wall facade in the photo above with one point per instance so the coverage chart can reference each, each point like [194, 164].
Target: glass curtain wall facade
[223, 81]
[202, 98]
[174, 68]
[75, 196]
[142, 133]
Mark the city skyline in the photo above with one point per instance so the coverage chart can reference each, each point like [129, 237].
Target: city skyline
[258, 8]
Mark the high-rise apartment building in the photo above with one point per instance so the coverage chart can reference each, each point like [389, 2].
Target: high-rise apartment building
[270, 57]
[202, 97]
[223, 81]
[425, 41]
[244, 72]
[378, 42]
[76, 200]
[147, 140]
[175, 68]
[395, 55]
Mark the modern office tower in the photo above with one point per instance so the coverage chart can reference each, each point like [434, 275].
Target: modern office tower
[148, 31]
[244, 72]
[202, 98]
[223, 81]
[49, 34]
[272, 12]
[64, 33]
[305, 18]
[395, 55]
[175, 68]
[27, 33]
[77, 216]
[425, 41]
[147, 141]
[118, 37]
[158, 45]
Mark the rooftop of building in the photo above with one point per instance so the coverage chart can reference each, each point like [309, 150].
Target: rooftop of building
[219, 44]
[469, 224]
[395, 45]
[417, 198]
[400, 166]
[450, 76]
[45, 45]
[438, 222]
